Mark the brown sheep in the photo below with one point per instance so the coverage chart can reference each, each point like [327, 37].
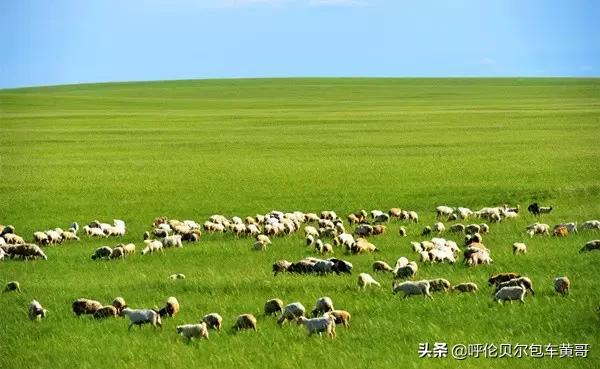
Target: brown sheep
[245, 321]
[119, 304]
[465, 287]
[171, 307]
[105, 312]
[502, 277]
[341, 317]
[378, 229]
[85, 306]
[560, 231]
[562, 285]
[382, 266]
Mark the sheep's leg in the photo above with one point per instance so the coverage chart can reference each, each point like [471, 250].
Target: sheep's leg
[130, 325]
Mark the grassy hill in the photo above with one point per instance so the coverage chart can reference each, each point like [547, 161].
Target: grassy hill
[189, 149]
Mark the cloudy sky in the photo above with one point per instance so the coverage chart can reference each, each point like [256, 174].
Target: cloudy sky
[72, 41]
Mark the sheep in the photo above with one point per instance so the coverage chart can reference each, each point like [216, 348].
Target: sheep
[591, 246]
[259, 246]
[413, 217]
[571, 227]
[538, 228]
[591, 224]
[117, 253]
[103, 252]
[213, 321]
[177, 276]
[94, 231]
[457, 228]
[464, 213]
[424, 256]
[119, 304]
[54, 237]
[363, 230]
[281, 266]
[407, 271]
[310, 217]
[562, 285]
[465, 287]
[510, 293]
[324, 248]
[7, 230]
[85, 306]
[69, 236]
[473, 238]
[537, 210]
[340, 316]
[439, 227]
[263, 238]
[323, 305]
[105, 312]
[413, 288]
[442, 254]
[443, 211]
[312, 231]
[521, 281]
[319, 325]
[502, 277]
[128, 249]
[171, 307]
[172, 241]
[291, 312]
[402, 261]
[426, 231]
[245, 321]
[152, 246]
[28, 251]
[519, 247]
[323, 267]
[36, 311]
[479, 257]
[381, 218]
[13, 286]
[273, 306]
[439, 284]
[142, 316]
[395, 213]
[341, 266]
[41, 238]
[362, 246]
[560, 231]
[365, 280]
[378, 230]
[190, 331]
[402, 231]
[472, 228]
[13, 239]
[382, 266]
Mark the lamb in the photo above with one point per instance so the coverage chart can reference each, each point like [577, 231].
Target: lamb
[413, 288]
[281, 266]
[519, 248]
[213, 321]
[152, 246]
[562, 285]
[105, 312]
[439, 284]
[142, 316]
[510, 294]
[13, 286]
[382, 266]
[103, 252]
[319, 325]
[591, 224]
[119, 304]
[245, 321]
[426, 231]
[190, 331]
[273, 306]
[340, 316]
[591, 246]
[365, 280]
[291, 312]
[323, 305]
[465, 287]
[503, 277]
[36, 311]
[171, 307]
[413, 217]
[172, 241]
[521, 281]
[85, 306]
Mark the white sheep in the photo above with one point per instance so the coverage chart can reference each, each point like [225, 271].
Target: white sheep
[291, 312]
[36, 311]
[142, 316]
[538, 228]
[591, 224]
[439, 227]
[319, 325]
[93, 231]
[172, 241]
[519, 248]
[510, 293]
[323, 305]
[190, 331]
[365, 280]
[413, 288]
[152, 246]
[444, 211]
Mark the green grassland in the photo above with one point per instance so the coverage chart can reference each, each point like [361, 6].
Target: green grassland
[189, 149]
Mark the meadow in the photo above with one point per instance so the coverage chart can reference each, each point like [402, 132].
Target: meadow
[189, 149]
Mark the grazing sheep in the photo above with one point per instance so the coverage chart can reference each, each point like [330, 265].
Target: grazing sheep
[521, 281]
[402, 232]
[85, 306]
[310, 240]
[381, 218]
[340, 316]
[259, 246]
[560, 231]
[172, 241]
[363, 230]
[438, 227]
[119, 304]
[36, 311]
[457, 228]
[444, 211]
[311, 231]
[341, 266]
[426, 231]
[103, 252]
[382, 266]
[440, 255]
[281, 266]
[322, 306]
[502, 277]
[13, 239]
[177, 276]
[117, 253]
[13, 286]
[273, 306]
[519, 248]
[291, 312]
[263, 238]
[105, 312]
[128, 249]
[142, 316]
[562, 285]
[362, 246]
[378, 230]
[571, 227]
[591, 224]
[478, 257]
[190, 331]
[152, 246]
[465, 287]
[171, 307]
[69, 236]
[41, 238]
[424, 256]
[9, 229]
[319, 325]
[537, 210]
[323, 267]
[94, 231]
[510, 294]
[407, 271]
[245, 321]
[395, 213]
[591, 246]
[413, 288]
[365, 280]
[439, 284]
[213, 321]
[472, 229]
[27, 251]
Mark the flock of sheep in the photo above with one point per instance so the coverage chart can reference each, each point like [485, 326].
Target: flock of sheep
[325, 232]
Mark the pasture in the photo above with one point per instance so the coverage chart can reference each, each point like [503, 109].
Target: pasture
[189, 149]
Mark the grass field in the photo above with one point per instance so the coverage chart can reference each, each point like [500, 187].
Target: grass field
[189, 149]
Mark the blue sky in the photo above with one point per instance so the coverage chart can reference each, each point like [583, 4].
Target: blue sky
[46, 42]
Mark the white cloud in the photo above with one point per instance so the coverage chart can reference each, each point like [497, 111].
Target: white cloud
[487, 61]
[337, 3]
